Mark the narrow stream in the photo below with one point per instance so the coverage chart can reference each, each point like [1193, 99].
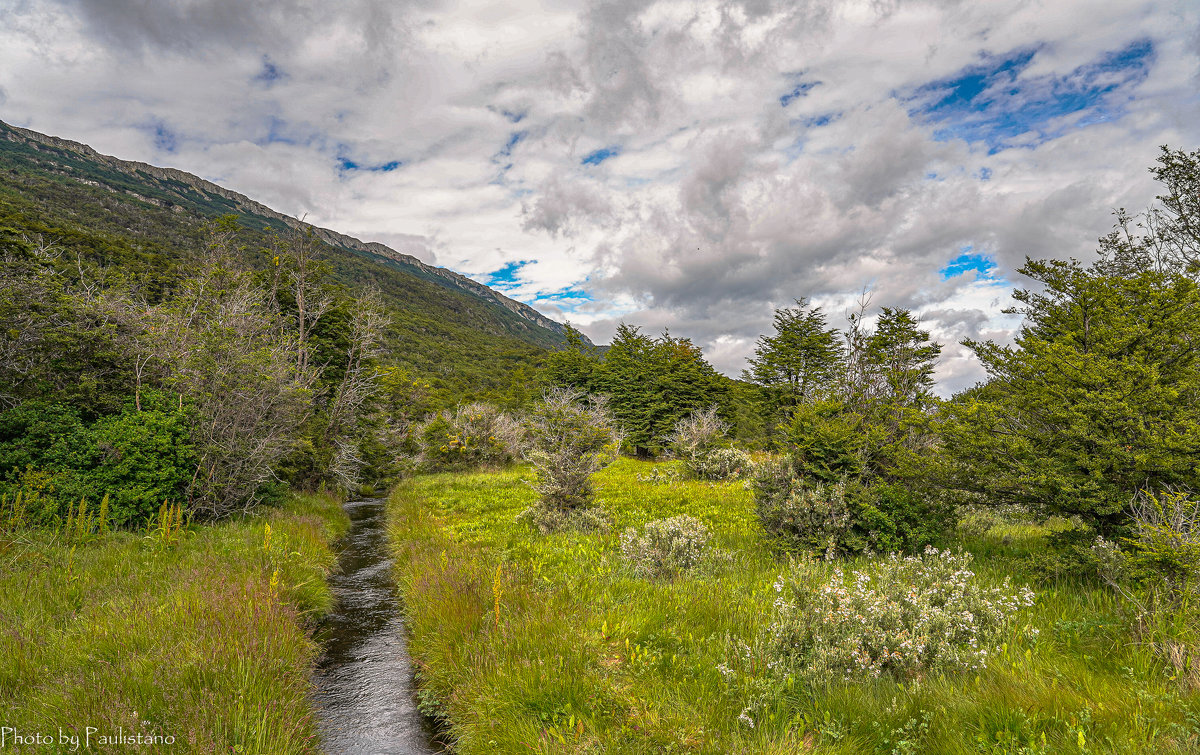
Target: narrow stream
[364, 679]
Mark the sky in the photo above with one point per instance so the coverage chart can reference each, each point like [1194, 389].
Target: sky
[689, 166]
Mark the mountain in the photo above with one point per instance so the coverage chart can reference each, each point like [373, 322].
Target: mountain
[139, 222]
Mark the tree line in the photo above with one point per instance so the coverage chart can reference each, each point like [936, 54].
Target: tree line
[1097, 398]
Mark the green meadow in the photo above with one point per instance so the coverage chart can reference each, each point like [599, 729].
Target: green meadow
[198, 638]
[532, 643]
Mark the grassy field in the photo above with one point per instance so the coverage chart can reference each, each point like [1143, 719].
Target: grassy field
[527, 643]
[204, 641]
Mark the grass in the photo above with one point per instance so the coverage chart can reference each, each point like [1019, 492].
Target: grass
[526, 643]
[204, 639]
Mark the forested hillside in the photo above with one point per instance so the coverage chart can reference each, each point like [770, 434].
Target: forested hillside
[135, 225]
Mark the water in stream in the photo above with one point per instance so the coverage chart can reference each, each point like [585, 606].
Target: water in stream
[364, 680]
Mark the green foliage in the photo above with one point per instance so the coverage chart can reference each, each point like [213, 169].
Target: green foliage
[575, 365]
[1097, 398]
[652, 383]
[141, 459]
[827, 441]
[1100, 394]
[800, 362]
[136, 459]
[843, 517]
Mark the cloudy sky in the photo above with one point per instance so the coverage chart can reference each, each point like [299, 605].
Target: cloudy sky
[690, 165]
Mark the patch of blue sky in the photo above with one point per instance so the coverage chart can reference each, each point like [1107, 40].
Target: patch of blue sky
[992, 103]
[503, 158]
[600, 155]
[345, 164]
[164, 138]
[270, 72]
[969, 260]
[507, 276]
[514, 139]
[514, 116]
[567, 299]
[801, 89]
[796, 148]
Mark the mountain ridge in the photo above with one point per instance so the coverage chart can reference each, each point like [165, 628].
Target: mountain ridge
[245, 205]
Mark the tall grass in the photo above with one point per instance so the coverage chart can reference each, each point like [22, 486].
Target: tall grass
[205, 641]
[531, 643]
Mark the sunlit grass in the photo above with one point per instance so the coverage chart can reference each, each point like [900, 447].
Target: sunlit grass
[205, 640]
[587, 658]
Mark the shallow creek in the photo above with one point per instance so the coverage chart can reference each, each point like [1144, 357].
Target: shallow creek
[364, 680]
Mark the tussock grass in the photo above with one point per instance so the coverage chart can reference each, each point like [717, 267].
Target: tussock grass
[204, 639]
[586, 657]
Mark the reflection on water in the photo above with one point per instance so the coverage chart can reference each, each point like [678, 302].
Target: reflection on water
[364, 680]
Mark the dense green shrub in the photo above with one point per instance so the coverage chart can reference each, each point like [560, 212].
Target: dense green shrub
[1166, 544]
[825, 441]
[666, 547]
[844, 517]
[474, 435]
[137, 458]
[908, 616]
[141, 459]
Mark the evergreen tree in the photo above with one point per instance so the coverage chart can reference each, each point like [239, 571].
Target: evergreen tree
[799, 364]
[574, 365]
[653, 382]
[1099, 396]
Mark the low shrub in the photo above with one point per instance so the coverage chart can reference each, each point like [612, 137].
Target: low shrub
[721, 464]
[1166, 541]
[666, 547]
[1157, 573]
[844, 517]
[570, 439]
[697, 433]
[588, 520]
[659, 476]
[472, 436]
[906, 616]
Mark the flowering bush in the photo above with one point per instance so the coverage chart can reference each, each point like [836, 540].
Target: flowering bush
[721, 464]
[659, 476]
[906, 616]
[474, 435]
[666, 547]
